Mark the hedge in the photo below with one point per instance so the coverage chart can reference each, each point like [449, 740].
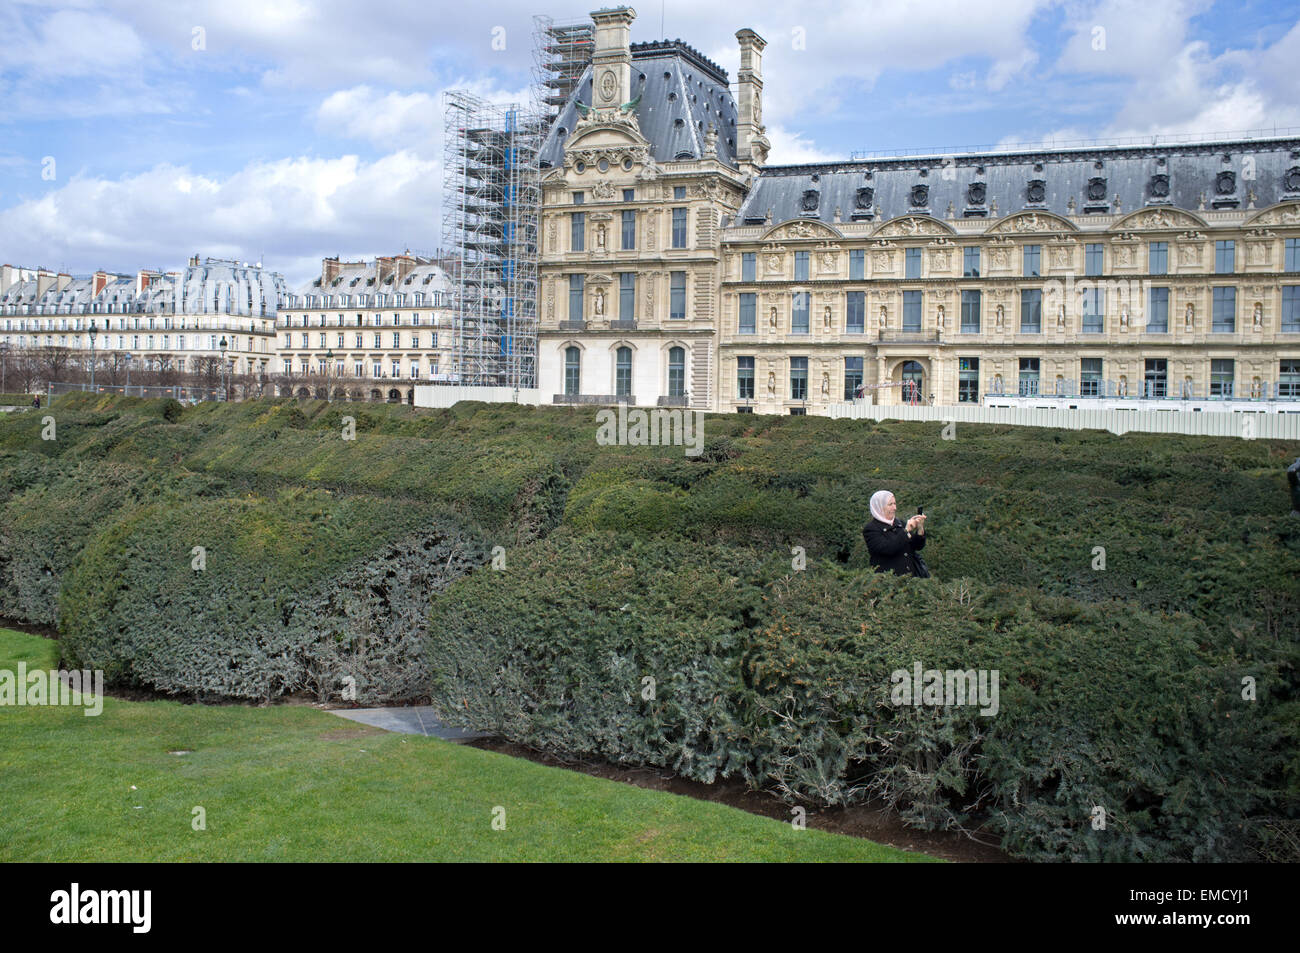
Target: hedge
[296, 592]
[783, 678]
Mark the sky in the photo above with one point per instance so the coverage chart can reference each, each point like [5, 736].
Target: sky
[135, 134]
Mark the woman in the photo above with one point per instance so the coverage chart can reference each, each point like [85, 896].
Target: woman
[890, 542]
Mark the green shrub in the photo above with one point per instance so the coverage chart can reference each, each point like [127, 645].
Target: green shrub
[258, 596]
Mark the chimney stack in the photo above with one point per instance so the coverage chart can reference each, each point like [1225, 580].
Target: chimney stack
[611, 59]
[752, 145]
[101, 279]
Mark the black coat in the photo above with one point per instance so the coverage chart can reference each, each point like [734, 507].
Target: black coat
[889, 546]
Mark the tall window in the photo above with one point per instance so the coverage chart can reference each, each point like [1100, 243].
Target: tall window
[801, 266]
[1093, 259]
[1094, 310]
[798, 378]
[855, 312]
[1221, 374]
[1291, 308]
[623, 372]
[1029, 377]
[748, 305]
[1224, 315]
[1089, 377]
[1158, 258]
[1033, 261]
[857, 264]
[1155, 377]
[912, 262]
[679, 228]
[1288, 378]
[912, 311]
[626, 296]
[748, 266]
[1225, 257]
[577, 232]
[629, 229]
[575, 297]
[970, 262]
[676, 372]
[1158, 311]
[968, 380]
[799, 312]
[677, 295]
[970, 312]
[852, 377]
[1293, 254]
[1031, 311]
[745, 378]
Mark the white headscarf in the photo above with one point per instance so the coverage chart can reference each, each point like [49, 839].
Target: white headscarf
[878, 501]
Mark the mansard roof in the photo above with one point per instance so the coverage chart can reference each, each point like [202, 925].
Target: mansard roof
[1201, 177]
[682, 94]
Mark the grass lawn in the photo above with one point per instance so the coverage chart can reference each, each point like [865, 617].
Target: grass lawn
[291, 783]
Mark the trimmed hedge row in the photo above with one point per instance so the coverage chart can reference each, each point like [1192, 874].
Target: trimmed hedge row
[293, 592]
[783, 678]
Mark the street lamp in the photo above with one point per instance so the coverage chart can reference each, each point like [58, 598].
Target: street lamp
[223, 345]
[93, 331]
[127, 357]
[329, 371]
[4, 363]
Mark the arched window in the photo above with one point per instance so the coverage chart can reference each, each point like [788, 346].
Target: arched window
[572, 370]
[623, 372]
[676, 372]
[913, 386]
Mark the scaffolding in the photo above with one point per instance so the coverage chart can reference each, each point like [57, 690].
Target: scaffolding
[561, 54]
[491, 207]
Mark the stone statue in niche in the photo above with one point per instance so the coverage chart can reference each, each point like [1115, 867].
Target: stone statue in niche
[826, 384]
[1002, 315]
[771, 383]
[826, 318]
[1189, 317]
[1254, 387]
[997, 383]
[1123, 319]
[600, 237]
[772, 319]
[1123, 386]
[1060, 318]
[598, 303]
[1259, 316]
[940, 319]
[884, 317]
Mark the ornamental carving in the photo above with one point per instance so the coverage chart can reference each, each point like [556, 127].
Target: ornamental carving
[1291, 180]
[865, 197]
[1036, 192]
[1225, 183]
[802, 230]
[920, 196]
[1030, 222]
[603, 191]
[1282, 215]
[1096, 189]
[1161, 218]
[908, 225]
[976, 192]
[1159, 186]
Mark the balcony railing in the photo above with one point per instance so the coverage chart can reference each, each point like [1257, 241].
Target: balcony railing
[594, 399]
[1145, 390]
[908, 337]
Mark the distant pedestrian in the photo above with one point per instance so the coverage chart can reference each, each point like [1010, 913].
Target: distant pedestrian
[36, 401]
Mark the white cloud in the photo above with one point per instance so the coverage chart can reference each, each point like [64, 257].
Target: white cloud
[285, 213]
[387, 120]
[792, 148]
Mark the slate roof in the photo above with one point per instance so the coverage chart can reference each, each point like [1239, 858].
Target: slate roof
[1224, 173]
[683, 92]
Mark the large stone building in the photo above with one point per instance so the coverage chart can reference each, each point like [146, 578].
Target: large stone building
[173, 320]
[377, 327]
[676, 266]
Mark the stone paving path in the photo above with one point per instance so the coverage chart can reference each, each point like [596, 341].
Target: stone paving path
[418, 720]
